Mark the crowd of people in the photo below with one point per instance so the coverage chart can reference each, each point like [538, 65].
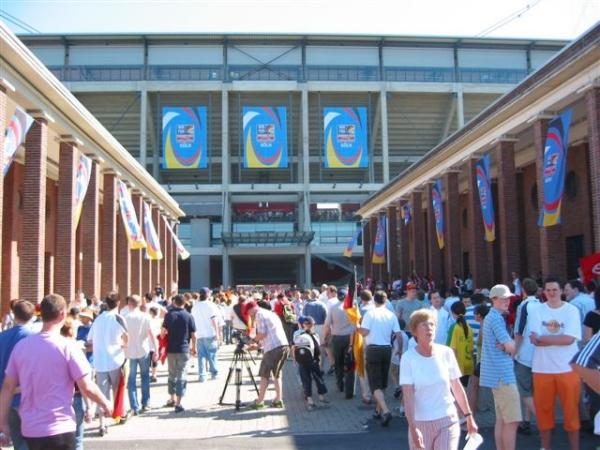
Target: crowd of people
[530, 346]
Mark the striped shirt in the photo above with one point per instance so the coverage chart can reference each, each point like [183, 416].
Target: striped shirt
[470, 319]
[589, 356]
[496, 365]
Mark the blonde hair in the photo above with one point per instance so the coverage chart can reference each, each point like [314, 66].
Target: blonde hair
[420, 316]
[68, 328]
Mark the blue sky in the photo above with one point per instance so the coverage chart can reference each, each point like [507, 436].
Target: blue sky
[560, 19]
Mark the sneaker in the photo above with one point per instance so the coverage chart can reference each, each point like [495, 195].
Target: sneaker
[170, 403]
[214, 377]
[144, 409]
[324, 400]
[310, 406]
[179, 409]
[376, 415]
[103, 430]
[256, 405]
[385, 419]
[276, 404]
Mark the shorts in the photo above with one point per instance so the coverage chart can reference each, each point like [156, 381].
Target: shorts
[272, 362]
[378, 361]
[524, 379]
[546, 387]
[507, 403]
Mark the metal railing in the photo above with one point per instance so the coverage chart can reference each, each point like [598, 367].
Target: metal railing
[342, 73]
[420, 74]
[185, 73]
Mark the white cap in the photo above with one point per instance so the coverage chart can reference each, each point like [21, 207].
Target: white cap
[500, 291]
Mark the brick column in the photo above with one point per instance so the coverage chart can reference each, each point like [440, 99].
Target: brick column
[477, 247]
[123, 260]
[156, 264]
[90, 235]
[147, 266]
[10, 256]
[64, 272]
[508, 212]
[435, 253]
[368, 239]
[417, 225]
[552, 244]
[392, 218]
[175, 258]
[453, 252]
[31, 282]
[137, 255]
[109, 234]
[593, 121]
[404, 248]
[165, 261]
[3, 124]
[168, 259]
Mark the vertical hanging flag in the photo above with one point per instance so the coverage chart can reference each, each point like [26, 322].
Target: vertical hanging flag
[265, 137]
[486, 201]
[554, 169]
[184, 138]
[345, 138]
[405, 213]
[130, 221]
[379, 255]
[350, 247]
[15, 135]
[153, 245]
[82, 180]
[181, 251]
[438, 211]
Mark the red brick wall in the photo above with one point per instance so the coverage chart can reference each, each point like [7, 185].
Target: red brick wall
[593, 112]
[530, 217]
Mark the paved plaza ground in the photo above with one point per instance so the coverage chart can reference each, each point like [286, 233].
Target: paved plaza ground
[344, 424]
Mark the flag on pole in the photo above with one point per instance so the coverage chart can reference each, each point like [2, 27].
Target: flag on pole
[181, 251]
[555, 168]
[130, 221]
[379, 255]
[438, 211]
[82, 181]
[486, 201]
[153, 251]
[15, 135]
[353, 313]
[405, 213]
[350, 247]
[590, 267]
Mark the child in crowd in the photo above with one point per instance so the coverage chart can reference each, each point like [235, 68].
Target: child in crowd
[307, 353]
[460, 339]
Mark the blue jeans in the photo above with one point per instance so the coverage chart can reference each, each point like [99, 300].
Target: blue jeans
[227, 332]
[144, 364]
[207, 350]
[14, 423]
[79, 415]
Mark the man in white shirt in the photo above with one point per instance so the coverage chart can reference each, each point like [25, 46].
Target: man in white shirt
[576, 296]
[377, 326]
[441, 331]
[141, 340]
[206, 317]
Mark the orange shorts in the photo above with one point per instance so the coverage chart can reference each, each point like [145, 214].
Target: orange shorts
[548, 386]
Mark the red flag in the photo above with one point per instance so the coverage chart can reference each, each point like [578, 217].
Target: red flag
[349, 299]
[119, 404]
[590, 267]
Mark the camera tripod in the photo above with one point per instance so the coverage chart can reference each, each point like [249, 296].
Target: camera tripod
[240, 358]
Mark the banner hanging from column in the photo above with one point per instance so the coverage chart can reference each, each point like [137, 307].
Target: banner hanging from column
[345, 137]
[82, 181]
[353, 241]
[379, 254]
[405, 213]
[153, 251]
[438, 211]
[265, 137]
[554, 169]
[130, 221]
[184, 133]
[181, 251]
[15, 135]
[486, 200]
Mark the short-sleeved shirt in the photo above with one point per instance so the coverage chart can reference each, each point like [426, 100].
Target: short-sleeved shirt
[547, 321]
[338, 320]
[462, 344]
[592, 320]
[180, 325]
[106, 337]
[8, 340]
[404, 308]
[441, 329]
[268, 323]
[496, 365]
[46, 367]
[138, 328]
[381, 324]
[204, 312]
[584, 303]
[431, 376]
[525, 353]
[589, 356]
[315, 309]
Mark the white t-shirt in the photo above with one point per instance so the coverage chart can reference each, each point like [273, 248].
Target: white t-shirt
[105, 335]
[546, 321]
[203, 312]
[381, 323]
[431, 377]
[138, 327]
[525, 353]
[441, 330]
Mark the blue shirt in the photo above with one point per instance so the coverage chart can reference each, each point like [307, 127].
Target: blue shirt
[316, 310]
[180, 326]
[8, 340]
[496, 365]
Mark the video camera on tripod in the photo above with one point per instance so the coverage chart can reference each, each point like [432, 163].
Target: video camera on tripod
[241, 337]
[241, 359]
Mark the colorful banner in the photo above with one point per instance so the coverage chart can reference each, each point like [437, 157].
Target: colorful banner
[153, 251]
[181, 251]
[130, 221]
[379, 255]
[15, 135]
[184, 138]
[555, 165]
[486, 201]
[345, 136]
[350, 247]
[265, 137]
[405, 213]
[438, 211]
[82, 180]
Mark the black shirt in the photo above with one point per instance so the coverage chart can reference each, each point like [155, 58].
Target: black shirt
[592, 320]
[180, 325]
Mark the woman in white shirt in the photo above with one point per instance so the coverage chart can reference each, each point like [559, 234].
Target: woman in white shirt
[430, 380]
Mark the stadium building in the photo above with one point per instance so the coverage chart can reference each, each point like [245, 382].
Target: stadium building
[270, 143]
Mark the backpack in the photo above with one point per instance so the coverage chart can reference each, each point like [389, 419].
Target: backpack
[288, 314]
[303, 350]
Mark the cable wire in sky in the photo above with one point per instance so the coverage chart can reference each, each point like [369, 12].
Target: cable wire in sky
[18, 22]
[505, 21]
